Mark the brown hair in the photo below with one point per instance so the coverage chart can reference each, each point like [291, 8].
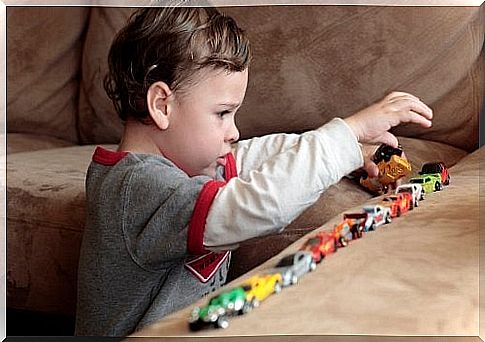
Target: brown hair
[170, 44]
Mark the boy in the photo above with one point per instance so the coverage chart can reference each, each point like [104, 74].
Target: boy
[166, 208]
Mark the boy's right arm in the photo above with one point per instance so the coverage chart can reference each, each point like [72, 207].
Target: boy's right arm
[267, 199]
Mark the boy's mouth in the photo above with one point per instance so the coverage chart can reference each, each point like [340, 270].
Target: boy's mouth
[221, 161]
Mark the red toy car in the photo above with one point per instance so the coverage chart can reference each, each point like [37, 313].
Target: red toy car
[399, 203]
[437, 167]
[320, 245]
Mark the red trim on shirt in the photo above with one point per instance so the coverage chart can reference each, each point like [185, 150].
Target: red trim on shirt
[107, 157]
[230, 170]
[195, 238]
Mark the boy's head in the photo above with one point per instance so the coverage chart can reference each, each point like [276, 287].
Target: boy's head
[173, 45]
[182, 71]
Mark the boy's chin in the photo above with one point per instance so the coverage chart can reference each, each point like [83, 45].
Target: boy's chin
[210, 171]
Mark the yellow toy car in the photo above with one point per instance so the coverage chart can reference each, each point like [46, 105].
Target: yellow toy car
[259, 287]
[391, 167]
[390, 172]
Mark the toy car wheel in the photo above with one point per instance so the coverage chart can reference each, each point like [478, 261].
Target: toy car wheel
[195, 326]
[294, 279]
[222, 322]
[277, 287]
[246, 308]
[343, 242]
[254, 303]
[388, 219]
[437, 186]
[447, 181]
[313, 266]
[398, 212]
[416, 203]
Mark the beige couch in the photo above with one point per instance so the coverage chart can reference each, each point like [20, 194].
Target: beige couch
[311, 63]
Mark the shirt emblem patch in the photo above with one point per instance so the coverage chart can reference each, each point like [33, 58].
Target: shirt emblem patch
[205, 266]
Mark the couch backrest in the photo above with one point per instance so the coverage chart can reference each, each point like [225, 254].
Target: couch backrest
[311, 63]
[44, 48]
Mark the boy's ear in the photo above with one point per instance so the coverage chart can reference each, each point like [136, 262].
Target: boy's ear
[158, 96]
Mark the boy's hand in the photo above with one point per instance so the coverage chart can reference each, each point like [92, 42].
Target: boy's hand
[371, 125]
[369, 166]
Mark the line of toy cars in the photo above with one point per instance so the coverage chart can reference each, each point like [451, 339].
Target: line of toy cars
[288, 271]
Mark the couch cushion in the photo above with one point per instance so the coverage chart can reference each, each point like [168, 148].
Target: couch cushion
[312, 63]
[45, 220]
[23, 142]
[99, 122]
[44, 46]
[46, 214]
[417, 276]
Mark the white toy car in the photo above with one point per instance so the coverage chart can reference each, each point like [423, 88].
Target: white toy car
[379, 214]
[416, 191]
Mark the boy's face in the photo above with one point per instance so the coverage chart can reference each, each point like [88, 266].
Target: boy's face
[202, 126]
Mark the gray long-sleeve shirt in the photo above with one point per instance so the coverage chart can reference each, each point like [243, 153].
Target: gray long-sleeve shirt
[151, 227]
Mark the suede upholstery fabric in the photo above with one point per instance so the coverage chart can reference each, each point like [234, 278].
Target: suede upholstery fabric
[313, 63]
[22, 142]
[99, 122]
[44, 47]
[46, 214]
[310, 64]
[416, 276]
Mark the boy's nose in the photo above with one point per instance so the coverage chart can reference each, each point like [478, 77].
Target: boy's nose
[232, 134]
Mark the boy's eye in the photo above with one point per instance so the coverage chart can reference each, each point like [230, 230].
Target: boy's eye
[225, 112]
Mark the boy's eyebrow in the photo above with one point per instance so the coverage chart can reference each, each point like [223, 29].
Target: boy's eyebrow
[230, 105]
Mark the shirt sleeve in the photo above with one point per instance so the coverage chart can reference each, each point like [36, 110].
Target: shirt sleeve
[267, 198]
[250, 154]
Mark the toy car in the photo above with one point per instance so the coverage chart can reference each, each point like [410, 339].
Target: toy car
[415, 190]
[379, 214]
[218, 309]
[362, 221]
[320, 245]
[391, 171]
[259, 287]
[294, 266]
[430, 182]
[385, 152]
[399, 203]
[391, 167]
[343, 232]
[436, 167]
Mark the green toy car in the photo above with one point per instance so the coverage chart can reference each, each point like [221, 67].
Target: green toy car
[218, 309]
[430, 182]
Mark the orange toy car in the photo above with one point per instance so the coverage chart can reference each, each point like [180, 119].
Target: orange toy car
[399, 203]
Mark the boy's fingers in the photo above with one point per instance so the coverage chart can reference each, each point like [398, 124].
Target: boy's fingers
[416, 118]
[388, 139]
[400, 94]
[416, 106]
[371, 168]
